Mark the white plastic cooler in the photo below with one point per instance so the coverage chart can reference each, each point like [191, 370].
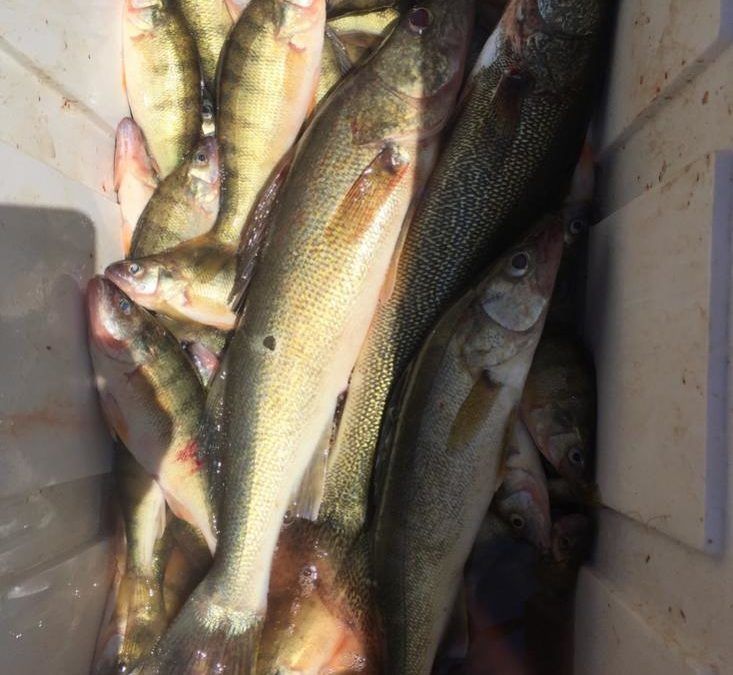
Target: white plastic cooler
[657, 597]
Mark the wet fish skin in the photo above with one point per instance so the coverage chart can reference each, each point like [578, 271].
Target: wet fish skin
[189, 283]
[509, 157]
[152, 399]
[210, 23]
[522, 500]
[183, 206]
[134, 176]
[337, 7]
[308, 309]
[349, 40]
[312, 624]
[140, 595]
[335, 65]
[459, 403]
[366, 29]
[268, 75]
[558, 407]
[162, 79]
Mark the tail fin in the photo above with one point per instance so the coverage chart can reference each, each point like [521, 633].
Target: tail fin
[207, 638]
[146, 618]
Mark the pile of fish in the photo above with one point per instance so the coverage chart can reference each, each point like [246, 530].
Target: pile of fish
[339, 359]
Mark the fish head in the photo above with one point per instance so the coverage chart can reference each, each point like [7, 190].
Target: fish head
[517, 294]
[131, 154]
[523, 503]
[143, 16]
[204, 175]
[426, 52]
[118, 327]
[570, 454]
[299, 21]
[571, 538]
[551, 40]
[139, 278]
[571, 17]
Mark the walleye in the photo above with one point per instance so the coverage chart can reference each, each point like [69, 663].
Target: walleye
[269, 72]
[184, 205]
[162, 79]
[522, 499]
[135, 179]
[349, 40]
[210, 23]
[558, 407]
[510, 155]
[307, 312]
[152, 399]
[460, 400]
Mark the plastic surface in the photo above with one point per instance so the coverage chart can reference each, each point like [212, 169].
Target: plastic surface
[60, 68]
[657, 597]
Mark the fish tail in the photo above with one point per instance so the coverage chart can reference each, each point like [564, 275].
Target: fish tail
[207, 638]
[146, 618]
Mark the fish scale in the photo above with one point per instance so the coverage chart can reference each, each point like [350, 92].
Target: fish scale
[352, 181]
[210, 23]
[444, 456]
[162, 80]
[510, 155]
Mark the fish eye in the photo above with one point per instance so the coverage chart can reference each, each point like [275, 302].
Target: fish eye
[577, 226]
[420, 19]
[576, 456]
[125, 306]
[200, 157]
[134, 268]
[564, 544]
[519, 264]
[207, 109]
[517, 522]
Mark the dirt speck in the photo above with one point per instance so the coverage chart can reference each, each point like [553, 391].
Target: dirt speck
[647, 559]
[706, 97]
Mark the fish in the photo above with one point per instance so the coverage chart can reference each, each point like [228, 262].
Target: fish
[162, 79]
[508, 159]
[268, 76]
[152, 399]
[179, 579]
[337, 7]
[549, 614]
[184, 205]
[307, 311]
[311, 625]
[139, 611]
[364, 29]
[460, 400]
[335, 65]
[522, 500]
[349, 40]
[134, 176]
[209, 22]
[236, 7]
[558, 408]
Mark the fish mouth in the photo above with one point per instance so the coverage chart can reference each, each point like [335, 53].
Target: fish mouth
[100, 303]
[119, 274]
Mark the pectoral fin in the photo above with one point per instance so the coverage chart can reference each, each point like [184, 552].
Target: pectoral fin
[371, 191]
[472, 415]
